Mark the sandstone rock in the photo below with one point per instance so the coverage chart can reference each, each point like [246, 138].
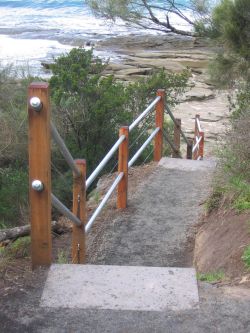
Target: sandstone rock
[198, 94]
[141, 54]
[169, 65]
[134, 71]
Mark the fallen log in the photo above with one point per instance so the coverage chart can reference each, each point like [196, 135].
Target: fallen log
[17, 232]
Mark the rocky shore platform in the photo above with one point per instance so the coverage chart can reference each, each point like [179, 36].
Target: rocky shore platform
[139, 55]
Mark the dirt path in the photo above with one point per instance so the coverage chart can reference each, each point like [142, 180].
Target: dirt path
[165, 208]
[156, 228]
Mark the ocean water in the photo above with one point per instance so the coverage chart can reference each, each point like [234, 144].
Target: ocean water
[36, 31]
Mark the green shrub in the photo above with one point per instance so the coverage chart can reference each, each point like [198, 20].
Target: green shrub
[20, 248]
[211, 277]
[13, 117]
[214, 200]
[242, 193]
[89, 108]
[235, 162]
[230, 24]
[13, 196]
[62, 257]
[246, 256]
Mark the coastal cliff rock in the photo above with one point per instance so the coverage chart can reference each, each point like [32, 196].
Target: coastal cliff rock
[140, 55]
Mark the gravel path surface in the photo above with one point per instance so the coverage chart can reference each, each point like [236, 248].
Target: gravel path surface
[166, 206]
[155, 231]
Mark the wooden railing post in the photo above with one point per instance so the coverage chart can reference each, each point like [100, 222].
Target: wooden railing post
[159, 119]
[201, 145]
[177, 138]
[122, 188]
[79, 209]
[40, 174]
[196, 133]
[190, 149]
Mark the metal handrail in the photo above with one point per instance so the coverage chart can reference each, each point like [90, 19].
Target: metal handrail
[104, 161]
[64, 150]
[198, 124]
[138, 153]
[60, 206]
[63, 209]
[56, 203]
[144, 113]
[103, 202]
[118, 179]
[175, 122]
[170, 143]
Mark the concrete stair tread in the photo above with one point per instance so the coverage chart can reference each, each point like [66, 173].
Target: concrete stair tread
[187, 165]
[134, 288]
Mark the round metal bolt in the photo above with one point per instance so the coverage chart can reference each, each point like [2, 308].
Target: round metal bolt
[36, 104]
[37, 185]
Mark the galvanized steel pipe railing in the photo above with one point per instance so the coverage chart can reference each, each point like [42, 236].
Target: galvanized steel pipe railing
[104, 161]
[138, 153]
[144, 113]
[198, 124]
[56, 203]
[170, 142]
[174, 120]
[64, 150]
[103, 202]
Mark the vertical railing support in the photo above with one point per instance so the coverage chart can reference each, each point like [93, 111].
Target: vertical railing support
[190, 149]
[79, 209]
[40, 174]
[122, 188]
[201, 146]
[159, 119]
[177, 137]
[196, 134]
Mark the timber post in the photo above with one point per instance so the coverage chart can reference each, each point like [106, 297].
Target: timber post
[196, 132]
[79, 210]
[40, 174]
[201, 145]
[123, 155]
[190, 149]
[159, 120]
[177, 137]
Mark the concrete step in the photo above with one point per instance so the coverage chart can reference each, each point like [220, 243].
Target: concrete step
[187, 165]
[133, 288]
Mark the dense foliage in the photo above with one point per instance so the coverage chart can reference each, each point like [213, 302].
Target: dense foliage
[90, 108]
[231, 23]
[230, 27]
[13, 147]
[231, 69]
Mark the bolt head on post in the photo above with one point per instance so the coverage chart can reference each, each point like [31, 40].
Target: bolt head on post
[36, 104]
[37, 185]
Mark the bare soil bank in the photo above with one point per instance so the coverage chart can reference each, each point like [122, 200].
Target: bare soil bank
[220, 243]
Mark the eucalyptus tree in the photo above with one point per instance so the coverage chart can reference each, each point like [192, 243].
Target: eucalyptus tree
[156, 15]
